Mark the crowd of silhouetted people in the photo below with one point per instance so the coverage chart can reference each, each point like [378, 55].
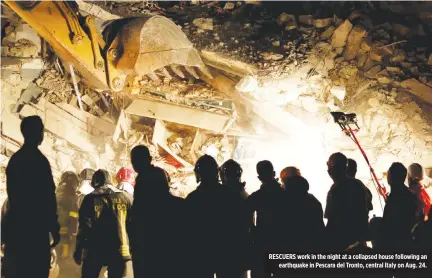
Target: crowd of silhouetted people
[218, 229]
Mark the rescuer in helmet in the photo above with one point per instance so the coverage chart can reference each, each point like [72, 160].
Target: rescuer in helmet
[237, 261]
[305, 213]
[288, 172]
[210, 208]
[103, 217]
[161, 217]
[85, 186]
[415, 178]
[269, 203]
[67, 203]
[126, 180]
[347, 208]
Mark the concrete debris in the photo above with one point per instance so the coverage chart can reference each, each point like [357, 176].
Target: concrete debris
[354, 41]
[373, 102]
[340, 35]
[204, 23]
[418, 89]
[377, 55]
[328, 33]
[399, 56]
[366, 44]
[372, 73]
[284, 18]
[323, 22]
[394, 69]
[229, 6]
[271, 56]
[306, 19]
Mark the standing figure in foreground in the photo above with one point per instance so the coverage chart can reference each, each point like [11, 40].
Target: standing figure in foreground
[209, 213]
[269, 203]
[102, 238]
[30, 188]
[238, 258]
[415, 178]
[67, 200]
[399, 213]
[348, 206]
[162, 220]
[305, 215]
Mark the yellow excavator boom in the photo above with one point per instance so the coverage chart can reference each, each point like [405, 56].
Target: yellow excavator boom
[138, 46]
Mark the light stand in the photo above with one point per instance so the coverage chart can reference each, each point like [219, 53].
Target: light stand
[345, 121]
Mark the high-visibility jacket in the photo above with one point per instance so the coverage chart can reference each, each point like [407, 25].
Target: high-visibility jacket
[103, 218]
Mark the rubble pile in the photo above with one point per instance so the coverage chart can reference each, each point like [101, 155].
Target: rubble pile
[55, 86]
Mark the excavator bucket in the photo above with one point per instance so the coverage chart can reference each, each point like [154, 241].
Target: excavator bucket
[155, 44]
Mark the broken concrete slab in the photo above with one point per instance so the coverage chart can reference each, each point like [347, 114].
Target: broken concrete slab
[284, 18]
[354, 41]
[418, 89]
[179, 114]
[366, 44]
[377, 54]
[229, 65]
[323, 22]
[229, 6]
[204, 23]
[271, 56]
[372, 73]
[94, 125]
[328, 33]
[340, 35]
[306, 19]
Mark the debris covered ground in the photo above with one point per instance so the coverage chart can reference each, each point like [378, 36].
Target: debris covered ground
[290, 63]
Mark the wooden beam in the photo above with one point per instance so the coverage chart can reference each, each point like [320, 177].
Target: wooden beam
[179, 114]
[231, 66]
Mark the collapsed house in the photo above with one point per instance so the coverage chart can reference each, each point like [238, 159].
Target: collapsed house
[267, 95]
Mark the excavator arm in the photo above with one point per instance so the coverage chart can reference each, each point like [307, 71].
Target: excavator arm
[138, 46]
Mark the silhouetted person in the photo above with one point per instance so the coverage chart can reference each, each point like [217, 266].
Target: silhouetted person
[209, 212]
[269, 203]
[158, 250]
[305, 215]
[32, 214]
[288, 172]
[238, 257]
[422, 234]
[399, 212]
[102, 235]
[67, 202]
[415, 177]
[351, 168]
[348, 206]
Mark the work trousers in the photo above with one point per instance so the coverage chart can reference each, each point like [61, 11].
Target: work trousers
[117, 267]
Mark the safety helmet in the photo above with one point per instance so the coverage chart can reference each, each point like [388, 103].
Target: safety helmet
[206, 168]
[86, 174]
[230, 170]
[68, 180]
[126, 175]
